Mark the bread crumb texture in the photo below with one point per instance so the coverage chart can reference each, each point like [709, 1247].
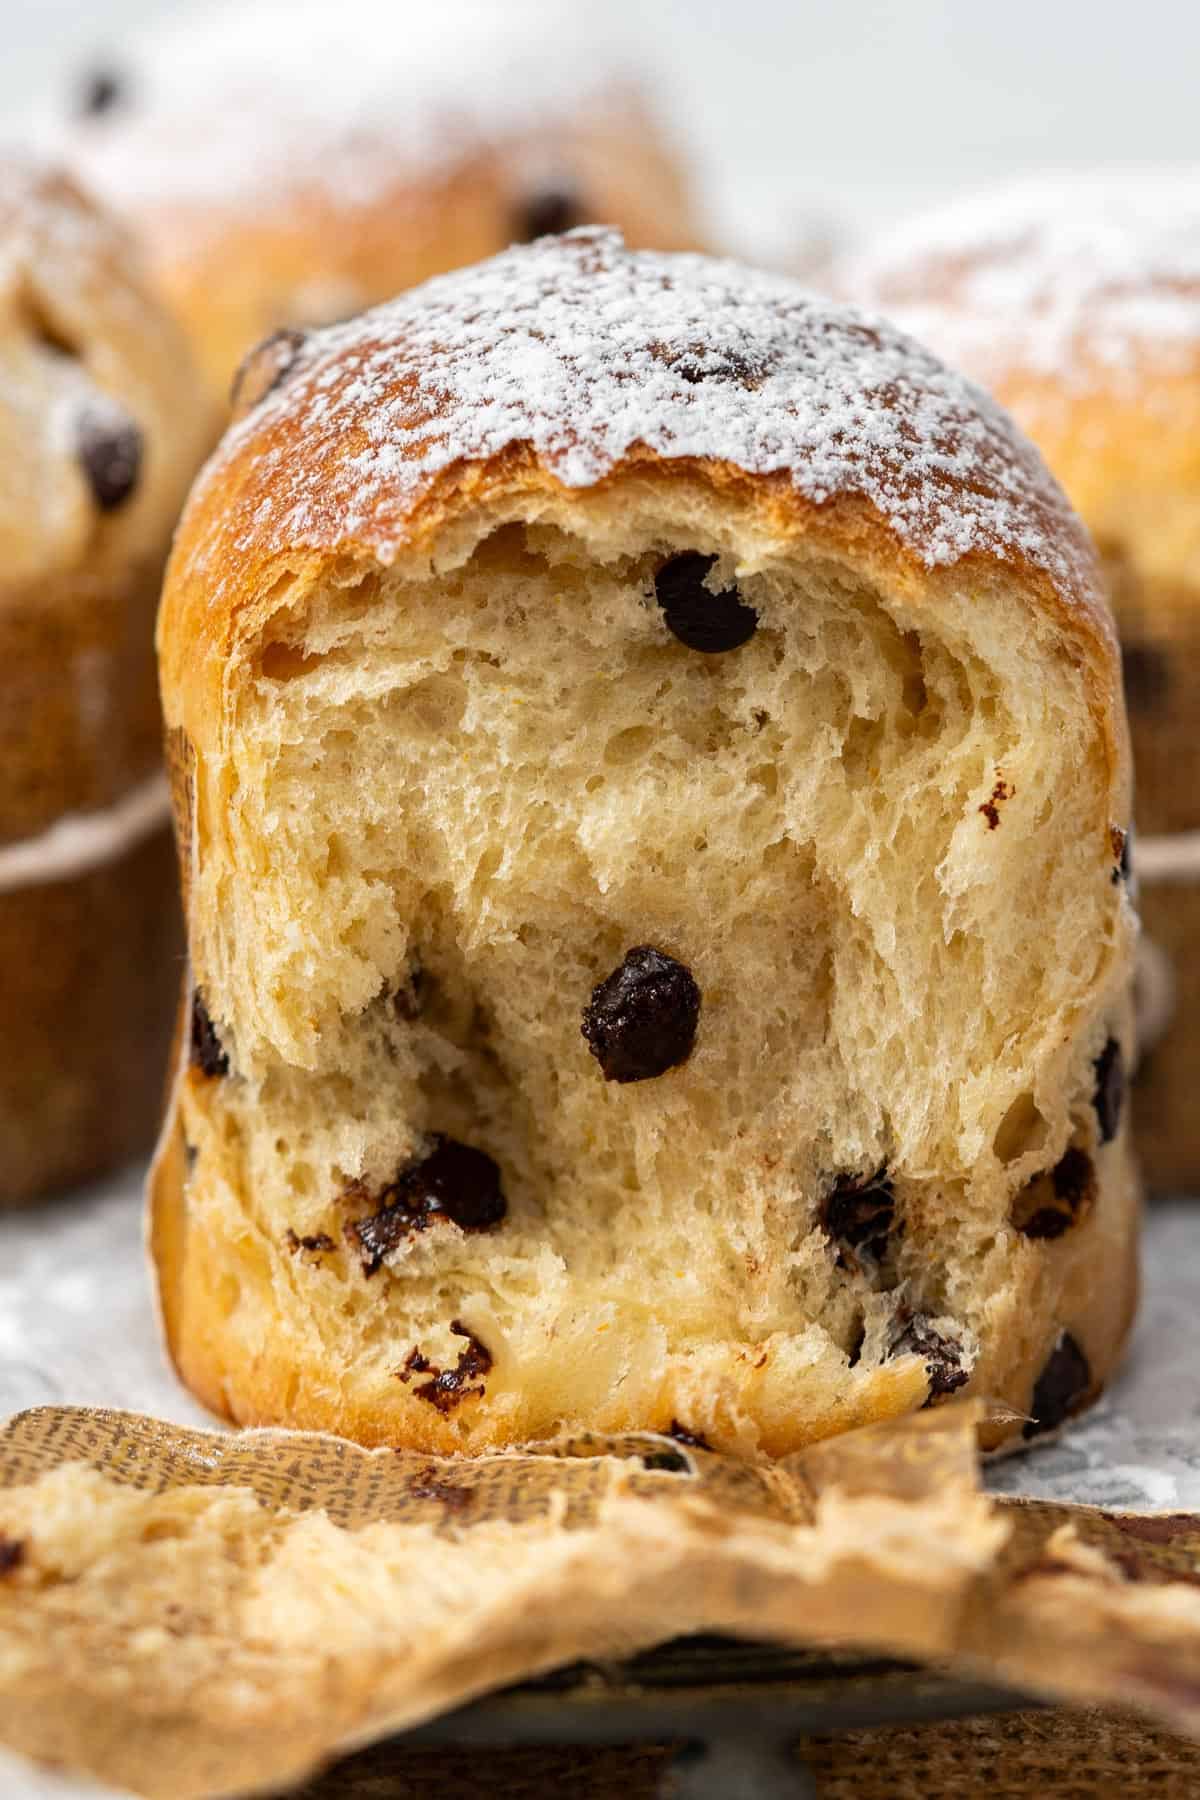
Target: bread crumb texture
[447, 777]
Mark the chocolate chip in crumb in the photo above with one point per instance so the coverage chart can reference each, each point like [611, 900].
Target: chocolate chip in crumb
[109, 447]
[694, 1440]
[641, 1020]
[454, 1182]
[102, 90]
[668, 1462]
[1060, 1389]
[547, 213]
[448, 1388]
[206, 1054]
[859, 1212]
[12, 1554]
[262, 369]
[313, 1244]
[1054, 1202]
[702, 620]
[942, 1356]
[1110, 1090]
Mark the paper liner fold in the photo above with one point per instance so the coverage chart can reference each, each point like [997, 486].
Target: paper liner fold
[189, 1613]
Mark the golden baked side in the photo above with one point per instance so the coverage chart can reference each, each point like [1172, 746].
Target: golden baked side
[102, 424]
[652, 781]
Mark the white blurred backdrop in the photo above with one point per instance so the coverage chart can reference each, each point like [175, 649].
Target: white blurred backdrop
[853, 109]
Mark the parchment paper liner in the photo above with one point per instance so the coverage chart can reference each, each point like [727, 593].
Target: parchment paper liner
[189, 1613]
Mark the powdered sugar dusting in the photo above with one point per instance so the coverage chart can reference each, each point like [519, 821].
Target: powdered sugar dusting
[230, 107]
[582, 350]
[1079, 276]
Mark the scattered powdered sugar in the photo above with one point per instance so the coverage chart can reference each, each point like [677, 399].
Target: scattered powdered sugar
[582, 349]
[230, 106]
[1071, 276]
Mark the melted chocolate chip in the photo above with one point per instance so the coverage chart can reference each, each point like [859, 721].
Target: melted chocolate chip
[314, 1244]
[942, 1356]
[546, 213]
[1061, 1387]
[859, 1212]
[697, 363]
[207, 1054]
[1110, 1090]
[454, 1182]
[110, 453]
[101, 91]
[668, 1461]
[262, 369]
[448, 1388]
[641, 1021]
[694, 1440]
[12, 1554]
[1051, 1204]
[700, 619]
[1147, 671]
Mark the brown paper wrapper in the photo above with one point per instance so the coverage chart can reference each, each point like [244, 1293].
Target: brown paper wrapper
[187, 1613]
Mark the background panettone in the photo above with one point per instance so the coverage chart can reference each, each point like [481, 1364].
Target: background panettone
[102, 424]
[287, 164]
[1076, 301]
[636, 641]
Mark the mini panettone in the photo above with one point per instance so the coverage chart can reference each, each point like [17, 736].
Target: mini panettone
[101, 427]
[1077, 302]
[287, 162]
[653, 784]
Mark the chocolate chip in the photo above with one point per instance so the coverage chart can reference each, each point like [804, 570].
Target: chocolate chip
[698, 618]
[452, 1499]
[314, 1244]
[448, 1388]
[454, 1182]
[942, 1355]
[1125, 863]
[110, 452]
[12, 1554]
[101, 91]
[547, 213]
[641, 1021]
[668, 1461]
[262, 369]
[207, 1054]
[1052, 1203]
[859, 1212]
[1147, 672]
[694, 1440]
[697, 363]
[1060, 1388]
[1110, 1090]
